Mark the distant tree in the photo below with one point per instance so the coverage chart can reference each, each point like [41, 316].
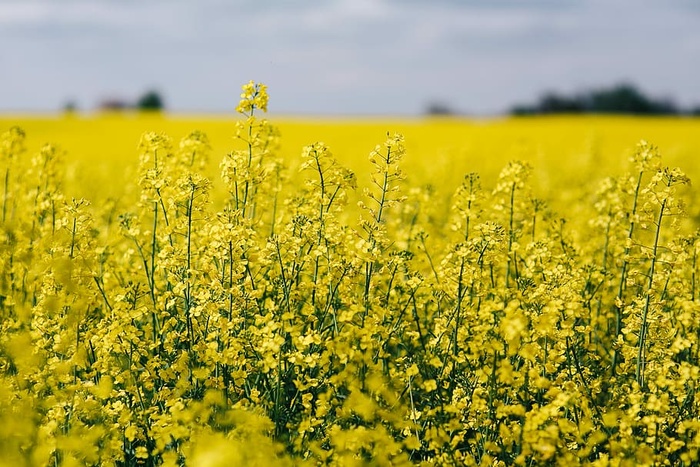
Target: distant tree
[439, 108]
[150, 100]
[555, 103]
[70, 107]
[625, 98]
[695, 111]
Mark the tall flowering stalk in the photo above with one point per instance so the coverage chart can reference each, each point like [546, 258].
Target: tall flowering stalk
[11, 147]
[383, 195]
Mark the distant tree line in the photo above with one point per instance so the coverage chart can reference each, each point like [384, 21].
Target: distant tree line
[619, 99]
[148, 101]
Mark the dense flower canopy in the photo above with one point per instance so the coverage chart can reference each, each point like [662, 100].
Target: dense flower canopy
[254, 321]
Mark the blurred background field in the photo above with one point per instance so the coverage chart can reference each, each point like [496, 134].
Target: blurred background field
[565, 151]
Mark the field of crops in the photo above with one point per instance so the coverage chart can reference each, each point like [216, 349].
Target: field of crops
[421, 292]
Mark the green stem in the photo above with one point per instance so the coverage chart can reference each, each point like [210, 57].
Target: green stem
[641, 351]
[511, 234]
[623, 274]
[188, 285]
[7, 189]
[72, 239]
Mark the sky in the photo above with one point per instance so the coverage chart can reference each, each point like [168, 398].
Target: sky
[343, 57]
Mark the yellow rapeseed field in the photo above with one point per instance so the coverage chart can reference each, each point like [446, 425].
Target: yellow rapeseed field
[277, 291]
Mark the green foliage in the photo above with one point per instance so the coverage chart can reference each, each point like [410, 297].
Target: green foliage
[150, 100]
[619, 99]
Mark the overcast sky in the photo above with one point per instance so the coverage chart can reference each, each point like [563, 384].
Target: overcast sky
[343, 56]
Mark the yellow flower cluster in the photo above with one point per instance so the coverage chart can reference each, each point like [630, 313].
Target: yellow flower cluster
[260, 322]
[254, 96]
